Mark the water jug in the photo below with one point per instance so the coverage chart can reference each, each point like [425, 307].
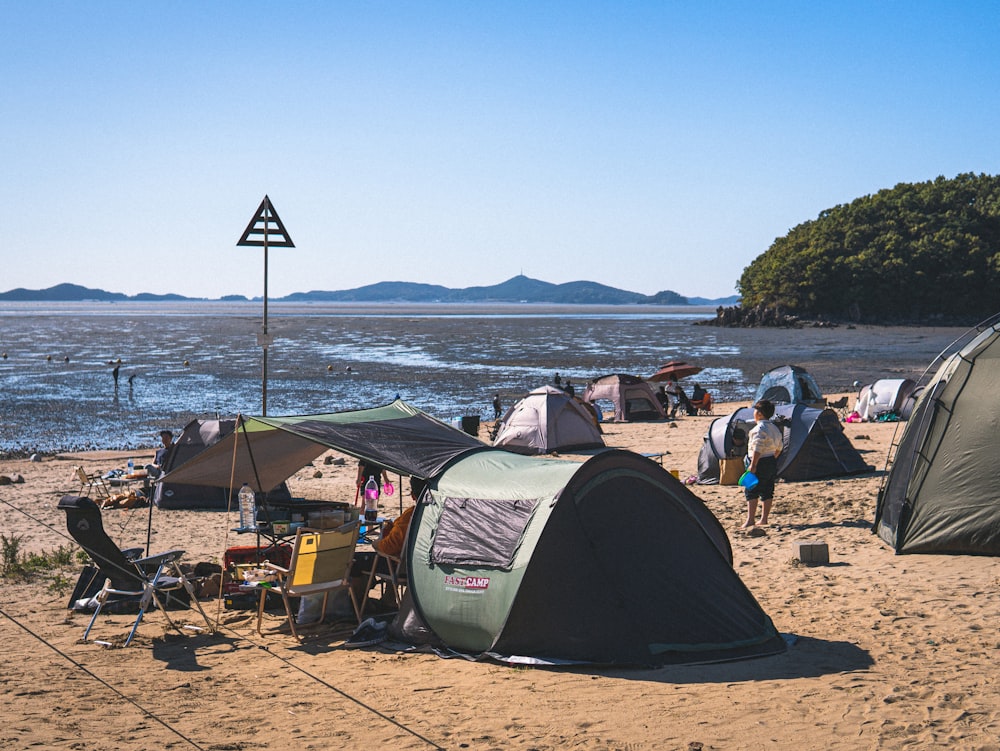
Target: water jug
[371, 499]
[248, 508]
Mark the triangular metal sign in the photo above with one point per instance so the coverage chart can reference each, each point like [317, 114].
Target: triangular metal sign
[268, 227]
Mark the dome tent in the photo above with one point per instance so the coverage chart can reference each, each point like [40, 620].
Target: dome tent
[546, 420]
[789, 384]
[815, 444]
[886, 395]
[632, 397]
[522, 559]
[940, 494]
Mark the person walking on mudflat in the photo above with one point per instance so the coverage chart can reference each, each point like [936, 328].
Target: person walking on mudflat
[763, 448]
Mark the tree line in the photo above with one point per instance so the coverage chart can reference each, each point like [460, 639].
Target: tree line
[917, 253]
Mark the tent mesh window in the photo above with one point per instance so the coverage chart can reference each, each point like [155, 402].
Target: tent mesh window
[480, 532]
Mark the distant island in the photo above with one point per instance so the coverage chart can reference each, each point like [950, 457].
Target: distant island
[518, 289]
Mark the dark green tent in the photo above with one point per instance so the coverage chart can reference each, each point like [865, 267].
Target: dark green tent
[607, 561]
[941, 493]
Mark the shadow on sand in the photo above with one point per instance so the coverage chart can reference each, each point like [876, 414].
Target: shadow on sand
[805, 658]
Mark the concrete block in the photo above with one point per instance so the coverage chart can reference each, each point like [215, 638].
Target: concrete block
[811, 551]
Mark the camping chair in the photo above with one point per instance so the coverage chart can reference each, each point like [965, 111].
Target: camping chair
[839, 406]
[320, 564]
[387, 571]
[93, 483]
[704, 405]
[125, 578]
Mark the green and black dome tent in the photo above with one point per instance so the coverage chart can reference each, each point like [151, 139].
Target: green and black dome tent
[941, 493]
[608, 561]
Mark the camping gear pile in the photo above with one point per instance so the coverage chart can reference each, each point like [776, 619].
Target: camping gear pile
[524, 559]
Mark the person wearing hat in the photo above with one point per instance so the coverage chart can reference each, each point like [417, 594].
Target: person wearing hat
[160, 458]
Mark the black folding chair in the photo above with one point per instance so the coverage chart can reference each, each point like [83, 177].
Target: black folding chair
[142, 579]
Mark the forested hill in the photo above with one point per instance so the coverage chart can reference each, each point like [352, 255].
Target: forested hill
[917, 253]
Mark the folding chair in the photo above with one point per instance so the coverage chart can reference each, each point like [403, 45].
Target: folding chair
[704, 405]
[839, 406]
[390, 572]
[145, 579]
[320, 564]
[93, 483]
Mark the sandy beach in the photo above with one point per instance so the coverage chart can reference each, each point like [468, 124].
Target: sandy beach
[886, 652]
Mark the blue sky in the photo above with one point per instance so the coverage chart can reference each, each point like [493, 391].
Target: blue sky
[645, 145]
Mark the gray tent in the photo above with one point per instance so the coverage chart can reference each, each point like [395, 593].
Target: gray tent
[941, 494]
[546, 420]
[815, 444]
[633, 399]
[264, 451]
[607, 561]
[790, 384]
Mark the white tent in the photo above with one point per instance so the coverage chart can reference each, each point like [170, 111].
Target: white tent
[882, 396]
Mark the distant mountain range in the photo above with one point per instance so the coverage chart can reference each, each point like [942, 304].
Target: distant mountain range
[515, 290]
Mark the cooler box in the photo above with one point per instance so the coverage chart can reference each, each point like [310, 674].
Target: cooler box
[730, 471]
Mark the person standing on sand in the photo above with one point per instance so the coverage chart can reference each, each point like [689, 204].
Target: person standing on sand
[497, 406]
[763, 448]
[114, 374]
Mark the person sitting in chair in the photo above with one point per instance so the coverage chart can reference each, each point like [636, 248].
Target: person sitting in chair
[155, 469]
[390, 542]
[700, 398]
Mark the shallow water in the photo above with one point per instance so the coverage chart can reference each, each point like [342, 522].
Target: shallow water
[446, 359]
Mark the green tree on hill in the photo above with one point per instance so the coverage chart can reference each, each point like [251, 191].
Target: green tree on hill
[915, 252]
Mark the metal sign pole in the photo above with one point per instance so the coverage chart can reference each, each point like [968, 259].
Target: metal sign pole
[263, 378]
[265, 223]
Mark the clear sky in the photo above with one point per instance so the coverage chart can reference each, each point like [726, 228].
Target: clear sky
[644, 145]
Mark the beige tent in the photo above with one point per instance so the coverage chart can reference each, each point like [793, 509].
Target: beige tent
[633, 399]
[546, 420]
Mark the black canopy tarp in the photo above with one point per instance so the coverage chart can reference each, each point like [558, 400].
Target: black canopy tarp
[265, 451]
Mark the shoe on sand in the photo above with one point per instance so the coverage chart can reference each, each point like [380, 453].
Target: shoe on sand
[368, 633]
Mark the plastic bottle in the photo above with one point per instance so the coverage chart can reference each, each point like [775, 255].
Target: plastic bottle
[371, 499]
[131, 467]
[248, 508]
